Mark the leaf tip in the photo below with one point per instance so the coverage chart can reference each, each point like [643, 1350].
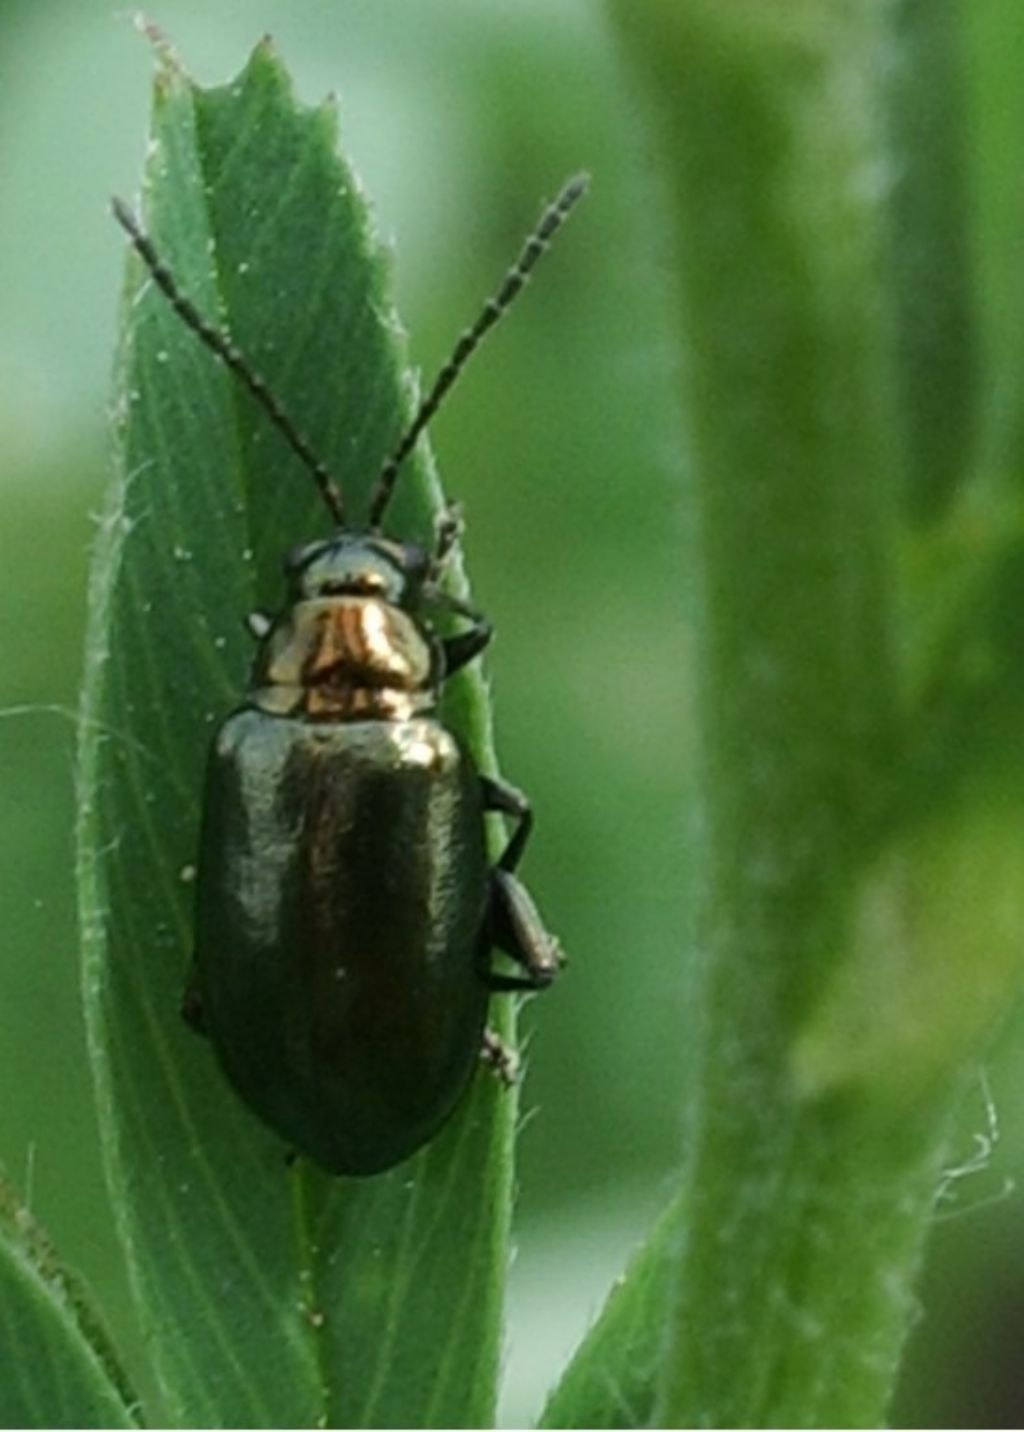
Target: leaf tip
[329, 107]
[168, 60]
[266, 66]
[266, 47]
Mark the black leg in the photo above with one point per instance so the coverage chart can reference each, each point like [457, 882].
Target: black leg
[500, 796]
[464, 645]
[515, 927]
[447, 533]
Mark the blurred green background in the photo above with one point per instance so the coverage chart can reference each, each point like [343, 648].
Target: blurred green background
[563, 444]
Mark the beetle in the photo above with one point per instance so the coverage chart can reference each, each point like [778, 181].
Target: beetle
[346, 908]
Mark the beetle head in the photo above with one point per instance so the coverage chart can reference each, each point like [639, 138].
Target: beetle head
[354, 565]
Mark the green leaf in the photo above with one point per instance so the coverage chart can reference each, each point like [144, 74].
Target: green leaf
[57, 1368]
[612, 1380]
[937, 348]
[270, 1295]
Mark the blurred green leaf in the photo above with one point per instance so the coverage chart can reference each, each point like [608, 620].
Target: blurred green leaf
[57, 1368]
[612, 1380]
[270, 1296]
[930, 261]
[834, 1001]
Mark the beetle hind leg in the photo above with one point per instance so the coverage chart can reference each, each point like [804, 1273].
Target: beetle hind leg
[499, 1058]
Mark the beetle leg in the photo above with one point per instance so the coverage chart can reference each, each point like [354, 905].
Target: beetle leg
[257, 624]
[447, 533]
[503, 1062]
[192, 1005]
[464, 645]
[500, 796]
[514, 926]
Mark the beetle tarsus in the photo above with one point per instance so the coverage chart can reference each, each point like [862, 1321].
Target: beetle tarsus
[499, 1058]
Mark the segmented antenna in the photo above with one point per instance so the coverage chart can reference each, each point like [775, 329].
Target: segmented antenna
[550, 222]
[220, 344]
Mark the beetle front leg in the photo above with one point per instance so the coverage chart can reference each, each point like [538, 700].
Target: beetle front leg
[515, 927]
[461, 648]
[446, 533]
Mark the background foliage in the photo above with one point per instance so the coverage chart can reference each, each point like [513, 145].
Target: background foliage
[563, 446]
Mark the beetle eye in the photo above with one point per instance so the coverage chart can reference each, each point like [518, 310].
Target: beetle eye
[297, 557]
[415, 561]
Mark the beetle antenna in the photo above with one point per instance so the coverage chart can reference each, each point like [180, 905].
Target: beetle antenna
[220, 344]
[550, 222]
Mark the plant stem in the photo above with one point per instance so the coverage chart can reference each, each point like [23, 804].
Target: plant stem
[808, 1198]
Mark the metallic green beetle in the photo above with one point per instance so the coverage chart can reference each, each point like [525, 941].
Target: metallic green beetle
[346, 908]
